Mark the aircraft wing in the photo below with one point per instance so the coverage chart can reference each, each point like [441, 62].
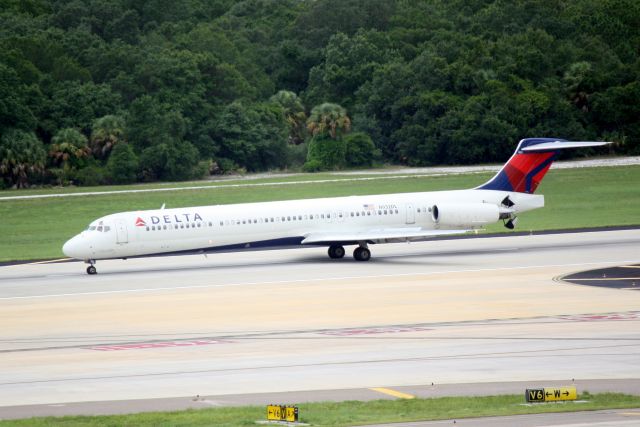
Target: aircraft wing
[381, 235]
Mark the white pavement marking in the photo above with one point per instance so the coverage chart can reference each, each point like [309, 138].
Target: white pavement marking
[322, 279]
[211, 187]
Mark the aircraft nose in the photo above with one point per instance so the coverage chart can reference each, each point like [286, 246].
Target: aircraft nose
[73, 248]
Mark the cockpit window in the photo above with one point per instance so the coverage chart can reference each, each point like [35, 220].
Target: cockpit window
[101, 228]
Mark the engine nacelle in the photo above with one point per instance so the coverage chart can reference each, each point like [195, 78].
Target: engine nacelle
[464, 215]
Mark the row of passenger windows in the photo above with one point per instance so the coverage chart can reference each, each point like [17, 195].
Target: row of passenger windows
[270, 220]
[179, 226]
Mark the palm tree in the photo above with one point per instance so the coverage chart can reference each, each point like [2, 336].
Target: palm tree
[329, 119]
[106, 132]
[68, 150]
[21, 156]
[294, 114]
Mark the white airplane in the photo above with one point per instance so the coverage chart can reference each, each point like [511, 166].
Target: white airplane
[332, 222]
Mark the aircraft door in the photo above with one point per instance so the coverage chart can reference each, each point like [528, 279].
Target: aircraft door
[121, 231]
[411, 214]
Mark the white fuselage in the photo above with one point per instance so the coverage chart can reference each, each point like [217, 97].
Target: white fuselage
[343, 220]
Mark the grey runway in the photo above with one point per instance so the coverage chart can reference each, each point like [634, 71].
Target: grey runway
[490, 310]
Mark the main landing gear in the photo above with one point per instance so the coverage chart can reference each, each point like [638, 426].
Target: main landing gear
[361, 253]
[91, 269]
[336, 251]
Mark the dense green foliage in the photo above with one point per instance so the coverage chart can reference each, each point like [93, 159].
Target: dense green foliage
[199, 86]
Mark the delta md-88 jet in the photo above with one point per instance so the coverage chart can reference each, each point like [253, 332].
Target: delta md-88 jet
[331, 222]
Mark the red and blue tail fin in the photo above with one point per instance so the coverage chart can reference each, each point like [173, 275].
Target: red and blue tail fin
[531, 161]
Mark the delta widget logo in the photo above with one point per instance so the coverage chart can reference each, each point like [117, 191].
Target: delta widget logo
[140, 222]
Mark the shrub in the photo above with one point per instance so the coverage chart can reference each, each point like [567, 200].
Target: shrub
[91, 176]
[360, 150]
[329, 153]
[122, 165]
[312, 166]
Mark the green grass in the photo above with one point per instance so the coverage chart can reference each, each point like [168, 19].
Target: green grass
[36, 229]
[349, 413]
[222, 181]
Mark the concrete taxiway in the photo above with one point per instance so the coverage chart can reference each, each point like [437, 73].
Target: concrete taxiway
[455, 311]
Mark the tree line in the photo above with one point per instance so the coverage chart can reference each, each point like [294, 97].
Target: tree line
[119, 91]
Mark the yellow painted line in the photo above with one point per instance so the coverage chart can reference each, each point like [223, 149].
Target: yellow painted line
[607, 278]
[630, 266]
[630, 414]
[393, 393]
[49, 261]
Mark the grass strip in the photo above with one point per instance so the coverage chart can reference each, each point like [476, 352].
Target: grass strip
[575, 198]
[221, 182]
[350, 413]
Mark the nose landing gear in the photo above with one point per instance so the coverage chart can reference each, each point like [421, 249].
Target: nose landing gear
[91, 270]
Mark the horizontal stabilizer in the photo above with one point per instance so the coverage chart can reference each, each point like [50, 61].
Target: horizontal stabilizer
[527, 166]
[558, 145]
[398, 234]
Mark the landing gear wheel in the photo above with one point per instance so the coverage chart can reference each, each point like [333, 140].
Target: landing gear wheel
[92, 270]
[336, 252]
[361, 254]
